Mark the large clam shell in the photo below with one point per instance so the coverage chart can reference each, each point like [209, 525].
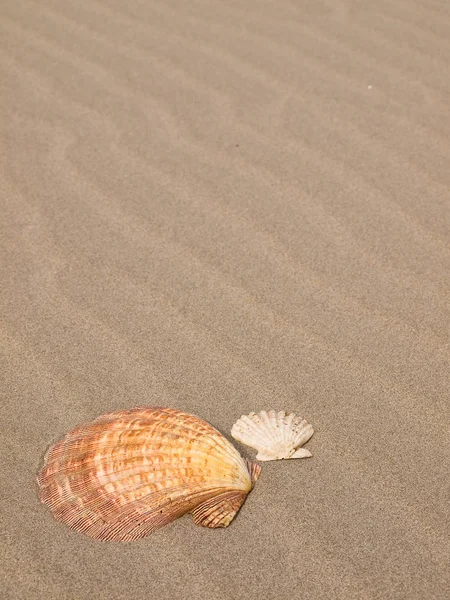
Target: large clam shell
[128, 473]
[275, 435]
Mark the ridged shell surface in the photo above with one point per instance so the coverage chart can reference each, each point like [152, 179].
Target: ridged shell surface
[128, 473]
[275, 435]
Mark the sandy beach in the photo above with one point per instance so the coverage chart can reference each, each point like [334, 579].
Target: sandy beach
[222, 207]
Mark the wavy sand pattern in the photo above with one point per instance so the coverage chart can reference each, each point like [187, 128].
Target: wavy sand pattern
[223, 207]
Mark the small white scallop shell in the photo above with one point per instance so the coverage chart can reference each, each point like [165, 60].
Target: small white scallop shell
[275, 435]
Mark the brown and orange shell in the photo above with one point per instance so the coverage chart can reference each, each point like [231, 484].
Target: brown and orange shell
[128, 473]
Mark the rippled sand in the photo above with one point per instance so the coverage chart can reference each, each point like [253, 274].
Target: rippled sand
[227, 206]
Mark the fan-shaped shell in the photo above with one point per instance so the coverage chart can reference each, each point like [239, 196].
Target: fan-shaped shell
[128, 473]
[274, 434]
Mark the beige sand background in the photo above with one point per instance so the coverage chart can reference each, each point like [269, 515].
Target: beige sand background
[224, 206]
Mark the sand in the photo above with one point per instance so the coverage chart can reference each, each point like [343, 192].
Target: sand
[223, 207]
